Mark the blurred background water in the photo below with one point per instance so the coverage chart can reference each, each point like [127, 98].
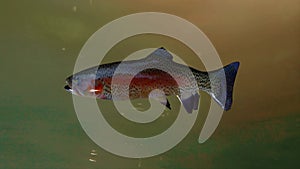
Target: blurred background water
[40, 41]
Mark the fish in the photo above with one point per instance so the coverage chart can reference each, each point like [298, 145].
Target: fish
[153, 72]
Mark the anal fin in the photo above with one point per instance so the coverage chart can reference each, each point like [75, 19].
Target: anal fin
[190, 102]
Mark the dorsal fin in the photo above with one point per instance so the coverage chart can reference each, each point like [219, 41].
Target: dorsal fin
[161, 52]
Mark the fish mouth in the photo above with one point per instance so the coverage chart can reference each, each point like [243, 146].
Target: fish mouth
[68, 88]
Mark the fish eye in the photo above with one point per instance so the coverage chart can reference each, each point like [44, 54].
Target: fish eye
[75, 80]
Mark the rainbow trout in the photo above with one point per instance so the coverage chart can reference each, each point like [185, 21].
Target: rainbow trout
[139, 78]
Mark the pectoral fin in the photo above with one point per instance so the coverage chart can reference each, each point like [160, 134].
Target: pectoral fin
[160, 98]
[165, 102]
[168, 104]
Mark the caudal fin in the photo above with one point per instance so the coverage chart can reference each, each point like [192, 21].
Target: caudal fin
[222, 87]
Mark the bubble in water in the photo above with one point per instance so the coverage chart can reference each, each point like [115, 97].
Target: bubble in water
[140, 164]
[74, 8]
[92, 160]
[93, 153]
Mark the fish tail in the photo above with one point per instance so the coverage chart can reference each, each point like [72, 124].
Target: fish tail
[222, 87]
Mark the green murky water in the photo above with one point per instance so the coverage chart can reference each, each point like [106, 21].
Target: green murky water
[40, 41]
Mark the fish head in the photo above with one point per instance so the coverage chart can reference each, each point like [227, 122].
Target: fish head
[84, 85]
